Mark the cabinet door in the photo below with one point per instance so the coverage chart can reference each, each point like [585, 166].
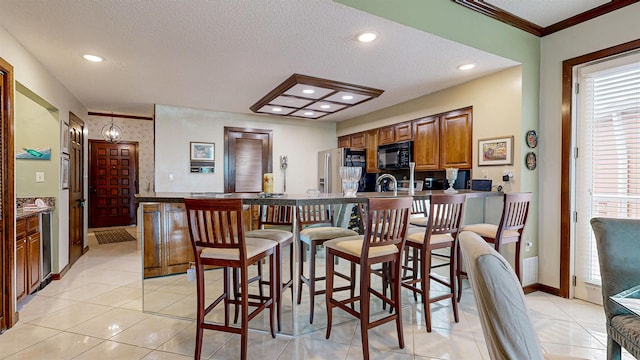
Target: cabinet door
[386, 135]
[358, 141]
[426, 145]
[152, 240]
[21, 266]
[344, 141]
[372, 151]
[178, 244]
[33, 262]
[455, 142]
[403, 132]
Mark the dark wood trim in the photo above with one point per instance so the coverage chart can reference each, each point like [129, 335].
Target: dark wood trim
[565, 186]
[587, 15]
[61, 274]
[8, 196]
[501, 15]
[337, 86]
[135, 117]
[85, 250]
[540, 287]
[229, 174]
[522, 24]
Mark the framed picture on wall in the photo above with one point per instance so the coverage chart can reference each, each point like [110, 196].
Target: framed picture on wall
[201, 151]
[495, 151]
[64, 141]
[64, 171]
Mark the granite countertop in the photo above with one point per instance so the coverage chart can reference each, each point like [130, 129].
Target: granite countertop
[296, 199]
[21, 213]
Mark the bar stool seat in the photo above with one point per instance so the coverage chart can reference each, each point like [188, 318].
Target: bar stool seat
[316, 222]
[418, 238]
[490, 231]
[512, 222]
[386, 222]
[352, 245]
[254, 247]
[276, 215]
[218, 239]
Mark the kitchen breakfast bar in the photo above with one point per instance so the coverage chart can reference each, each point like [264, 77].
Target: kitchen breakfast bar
[167, 252]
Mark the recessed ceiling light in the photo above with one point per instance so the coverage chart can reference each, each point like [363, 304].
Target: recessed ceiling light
[308, 113]
[325, 106]
[92, 58]
[367, 36]
[466, 66]
[308, 91]
[347, 97]
[276, 109]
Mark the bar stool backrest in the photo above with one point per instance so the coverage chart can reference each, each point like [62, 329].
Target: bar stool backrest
[278, 215]
[514, 213]
[215, 223]
[445, 212]
[386, 221]
[314, 214]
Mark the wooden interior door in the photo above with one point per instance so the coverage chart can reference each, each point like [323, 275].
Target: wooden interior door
[247, 156]
[76, 188]
[113, 179]
[7, 204]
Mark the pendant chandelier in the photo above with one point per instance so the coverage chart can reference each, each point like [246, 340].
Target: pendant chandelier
[112, 132]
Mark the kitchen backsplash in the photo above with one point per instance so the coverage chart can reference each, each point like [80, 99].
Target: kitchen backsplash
[50, 201]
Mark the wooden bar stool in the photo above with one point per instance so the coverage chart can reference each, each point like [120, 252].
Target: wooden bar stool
[277, 216]
[218, 239]
[317, 226]
[514, 218]
[445, 214]
[386, 222]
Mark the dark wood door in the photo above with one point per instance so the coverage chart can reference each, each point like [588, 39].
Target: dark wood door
[76, 188]
[7, 204]
[113, 179]
[247, 158]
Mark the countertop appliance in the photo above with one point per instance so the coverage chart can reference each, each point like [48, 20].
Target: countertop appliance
[395, 156]
[329, 163]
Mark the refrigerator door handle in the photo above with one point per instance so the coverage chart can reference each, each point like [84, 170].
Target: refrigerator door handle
[327, 173]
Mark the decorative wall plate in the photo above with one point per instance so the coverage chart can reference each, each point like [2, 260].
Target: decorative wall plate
[532, 139]
[531, 160]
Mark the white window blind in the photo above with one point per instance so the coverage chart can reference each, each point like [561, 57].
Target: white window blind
[608, 165]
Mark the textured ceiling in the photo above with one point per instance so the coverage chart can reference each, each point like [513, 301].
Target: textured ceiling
[225, 55]
[546, 12]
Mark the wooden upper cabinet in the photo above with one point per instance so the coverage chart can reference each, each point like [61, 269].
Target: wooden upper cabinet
[455, 140]
[371, 137]
[344, 141]
[403, 131]
[426, 145]
[386, 135]
[358, 141]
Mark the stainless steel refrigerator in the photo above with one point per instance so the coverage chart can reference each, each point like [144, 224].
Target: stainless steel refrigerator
[329, 163]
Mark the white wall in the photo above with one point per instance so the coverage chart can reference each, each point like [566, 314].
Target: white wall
[30, 73]
[605, 31]
[175, 127]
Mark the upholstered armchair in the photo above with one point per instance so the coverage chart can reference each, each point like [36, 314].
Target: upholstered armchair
[618, 242]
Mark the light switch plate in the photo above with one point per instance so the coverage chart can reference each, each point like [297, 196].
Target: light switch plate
[40, 176]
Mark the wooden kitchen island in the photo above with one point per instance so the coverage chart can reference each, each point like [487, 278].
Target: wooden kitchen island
[167, 251]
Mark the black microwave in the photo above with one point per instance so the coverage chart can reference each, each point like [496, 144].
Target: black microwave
[395, 156]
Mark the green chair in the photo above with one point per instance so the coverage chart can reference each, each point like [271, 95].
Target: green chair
[618, 242]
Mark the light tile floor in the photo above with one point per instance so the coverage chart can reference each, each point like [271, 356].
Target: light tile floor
[95, 312]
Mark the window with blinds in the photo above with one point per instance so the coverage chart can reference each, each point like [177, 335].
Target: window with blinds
[608, 162]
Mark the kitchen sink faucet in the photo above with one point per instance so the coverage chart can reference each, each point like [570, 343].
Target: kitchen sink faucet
[391, 178]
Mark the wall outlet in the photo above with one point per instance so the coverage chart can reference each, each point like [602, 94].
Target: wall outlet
[40, 176]
[507, 175]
